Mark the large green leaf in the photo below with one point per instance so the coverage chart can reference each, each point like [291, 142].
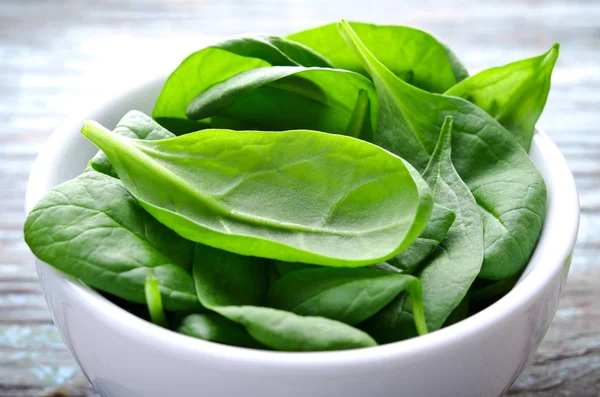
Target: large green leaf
[91, 228]
[288, 97]
[439, 223]
[393, 323]
[231, 291]
[217, 63]
[224, 278]
[216, 328]
[514, 94]
[508, 188]
[342, 294]
[134, 124]
[411, 54]
[449, 272]
[247, 192]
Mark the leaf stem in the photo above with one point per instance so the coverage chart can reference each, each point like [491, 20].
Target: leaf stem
[154, 301]
[357, 118]
[416, 296]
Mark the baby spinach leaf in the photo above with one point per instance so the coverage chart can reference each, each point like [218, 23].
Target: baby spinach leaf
[506, 185]
[440, 221]
[448, 274]
[287, 331]
[134, 124]
[231, 290]
[216, 328]
[285, 98]
[246, 192]
[514, 94]
[411, 54]
[223, 278]
[284, 268]
[342, 294]
[154, 301]
[494, 290]
[219, 62]
[460, 312]
[91, 228]
[393, 323]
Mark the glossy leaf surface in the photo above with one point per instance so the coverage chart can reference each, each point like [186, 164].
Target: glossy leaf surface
[91, 228]
[136, 125]
[411, 54]
[232, 291]
[506, 185]
[346, 295]
[514, 94]
[211, 186]
[284, 98]
[219, 62]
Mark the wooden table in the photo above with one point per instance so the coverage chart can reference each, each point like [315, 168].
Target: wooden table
[57, 55]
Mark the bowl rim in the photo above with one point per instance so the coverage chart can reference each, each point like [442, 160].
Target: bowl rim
[554, 246]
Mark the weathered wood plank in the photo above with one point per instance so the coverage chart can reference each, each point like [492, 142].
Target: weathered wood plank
[55, 56]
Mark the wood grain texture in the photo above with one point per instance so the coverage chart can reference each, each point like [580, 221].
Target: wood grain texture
[57, 55]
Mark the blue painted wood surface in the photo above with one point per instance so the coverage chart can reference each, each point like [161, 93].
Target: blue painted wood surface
[56, 55]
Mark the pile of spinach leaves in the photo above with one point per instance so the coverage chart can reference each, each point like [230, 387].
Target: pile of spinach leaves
[342, 187]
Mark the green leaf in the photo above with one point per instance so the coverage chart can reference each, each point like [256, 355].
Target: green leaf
[448, 274]
[228, 284]
[286, 98]
[154, 301]
[346, 295]
[494, 290]
[393, 323]
[286, 331]
[284, 268]
[439, 223]
[460, 312]
[411, 54]
[219, 62]
[216, 328]
[92, 229]
[246, 192]
[223, 278]
[514, 94]
[134, 124]
[506, 185]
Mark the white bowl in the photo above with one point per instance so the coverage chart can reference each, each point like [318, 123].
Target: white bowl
[125, 356]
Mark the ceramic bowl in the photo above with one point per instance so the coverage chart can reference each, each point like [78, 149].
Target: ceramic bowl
[125, 356]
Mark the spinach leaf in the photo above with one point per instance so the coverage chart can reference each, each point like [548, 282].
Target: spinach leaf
[284, 268]
[287, 331]
[219, 62]
[411, 54]
[506, 185]
[246, 192]
[154, 301]
[216, 328]
[346, 295]
[514, 94]
[448, 274]
[460, 312]
[223, 278]
[134, 124]
[494, 290]
[286, 97]
[91, 228]
[439, 223]
[393, 323]
[232, 290]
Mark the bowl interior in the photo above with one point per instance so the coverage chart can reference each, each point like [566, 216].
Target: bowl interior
[67, 152]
